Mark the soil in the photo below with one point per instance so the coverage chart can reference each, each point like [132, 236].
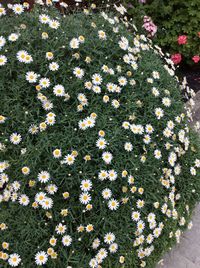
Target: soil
[193, 76]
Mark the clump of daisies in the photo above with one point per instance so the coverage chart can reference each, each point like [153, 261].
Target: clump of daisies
[98, 164]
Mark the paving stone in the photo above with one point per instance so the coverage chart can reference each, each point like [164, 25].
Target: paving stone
[176, 260]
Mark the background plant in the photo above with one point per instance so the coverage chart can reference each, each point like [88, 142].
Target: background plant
[174, 19]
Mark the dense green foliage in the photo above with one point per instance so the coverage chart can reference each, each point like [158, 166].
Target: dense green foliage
[129, 95]
[173, 19]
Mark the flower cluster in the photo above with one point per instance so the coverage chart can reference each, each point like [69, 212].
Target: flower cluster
[182, 40]
[97, 159]
[149, 26]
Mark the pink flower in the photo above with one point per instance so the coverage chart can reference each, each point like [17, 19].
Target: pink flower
[199, 34]
[149, 26]
[182, 40]
[176, 58]
[196, 59]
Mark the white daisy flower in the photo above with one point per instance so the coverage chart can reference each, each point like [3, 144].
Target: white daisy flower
[102, 253]
[103, 174]
[53, 66]
[2, 11]
[106, 193]
[197, 163]
[101, 143]
[18, 9]
[24, 200]
[78, 72]
[159, 113]
[43, 176]
[44, 18]
[3, 60]
[107, 157]
[86, 185]
[115, 104]
[90, 122]
[123, 43]
[157, 232]
[49, 55]
[82, 124]
[121, 9]
[102, 35]
[88, 85]
[59, 90]
[2, 41]
[96, 89]
[13, 37]
[151, 217]
[33, 129]
[147, 139]
[41, 258]
[97, 79]
[112, 175]
[157, 154]
[135, 216]
[113, 204]
[111, 87]
[57, 153]
[61, 228]
[149, 129]
[126, 125]
[96, 243]
[69, 159]
[85, 198]
[155, 92]
[150, 80]
[170, 124]
[15, 138]
[14, 260]
[44, 82]
[74, 43]
[166, 102]
[156, 75]
[66, 240]
[52, 189]
[31, 77]
[39, 197]
[128, 146]
[54, 24]
[81, 39]
[47, 203]
[193, 171]
[26, 170]
[167, 132]
[109, 238]
[122, 81]
[149, 238]
[113, 248]
[93, 263]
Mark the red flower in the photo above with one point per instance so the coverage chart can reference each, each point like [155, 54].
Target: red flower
[182, 40]
[196, 59]
[176, 58]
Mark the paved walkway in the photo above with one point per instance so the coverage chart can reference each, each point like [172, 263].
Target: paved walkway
[187, 253]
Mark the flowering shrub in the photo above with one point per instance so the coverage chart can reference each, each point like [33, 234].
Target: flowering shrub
[178, 25]
[98, 166]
